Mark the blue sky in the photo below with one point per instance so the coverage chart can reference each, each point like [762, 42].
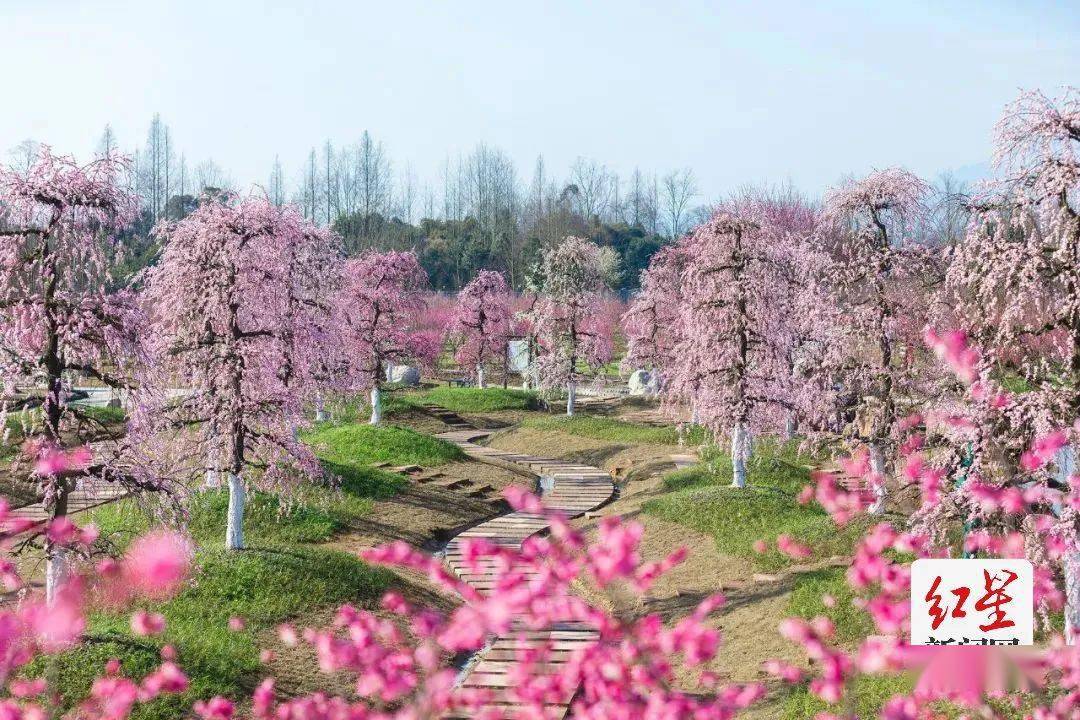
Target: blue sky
[741, 92]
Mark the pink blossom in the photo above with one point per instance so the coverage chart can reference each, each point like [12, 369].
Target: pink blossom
[147, 623]
[217, 708]
[157, 564]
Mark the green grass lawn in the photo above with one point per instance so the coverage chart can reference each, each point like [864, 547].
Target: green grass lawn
[612, 430]
[265, 586]
[863, 699]
[479, 400]
[357, 444]
[700, 497]
[283, 575]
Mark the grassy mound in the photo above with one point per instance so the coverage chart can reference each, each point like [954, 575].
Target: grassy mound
[480, 400]
[612, 430]
[352, 445]
[701, 498]
[264, 586]
[866, 695]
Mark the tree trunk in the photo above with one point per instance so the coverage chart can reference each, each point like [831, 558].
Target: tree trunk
[376, 406]
[234, 528]
[571, 397]
[877, 472]
[320, 409]
[57, 568]
[480, 376]
[1065, 467]
[1072, 598]
[791, 426]
[740, 442]
[213, 479]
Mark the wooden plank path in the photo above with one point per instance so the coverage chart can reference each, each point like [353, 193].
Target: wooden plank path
[578, 489]
[89, 492]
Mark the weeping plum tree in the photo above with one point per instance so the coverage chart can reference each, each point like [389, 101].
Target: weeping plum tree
[381, 297]
[480, 325]
[58, 224]
[651, 324]
[238, 319]
[875, 279]
[727, 354]
[1015, 280]
[574, 332]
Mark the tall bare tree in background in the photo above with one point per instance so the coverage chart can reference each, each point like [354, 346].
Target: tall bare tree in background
[275, 188]
[210, 177]
[372, 172]
[593, 188]
[949, 212]
[107, 144]
[679, 189]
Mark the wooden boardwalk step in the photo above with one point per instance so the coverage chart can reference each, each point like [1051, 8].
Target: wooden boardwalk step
[578, 489]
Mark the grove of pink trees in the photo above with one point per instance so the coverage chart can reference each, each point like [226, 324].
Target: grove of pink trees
[770, 311]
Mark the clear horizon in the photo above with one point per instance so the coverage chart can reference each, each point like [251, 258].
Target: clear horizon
[740, 93]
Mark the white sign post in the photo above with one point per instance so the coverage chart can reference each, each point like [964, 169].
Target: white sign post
[972, 602]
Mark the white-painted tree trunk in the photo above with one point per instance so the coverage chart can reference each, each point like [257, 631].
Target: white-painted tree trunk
[877, 470]
[571, 398]
[57, 569]
[740, 444]
[1072, 598]
[791, 426]
[213, 479]
[480, 376]
[376, 406]
[320, 409]
[1065, 467]
[694, 417]
[234, 525]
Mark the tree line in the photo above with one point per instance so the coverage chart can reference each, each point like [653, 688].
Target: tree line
[480, 213]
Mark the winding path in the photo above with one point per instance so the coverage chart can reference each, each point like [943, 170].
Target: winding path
[578, 489]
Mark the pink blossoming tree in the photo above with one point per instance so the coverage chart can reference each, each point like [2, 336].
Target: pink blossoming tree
[481, 323]
[574, 334]
[727, 356]
[960, 456]
[1015, 280]
[875, 279]
[238, 324]
[651, 324]
[381, 297]
[58, 224]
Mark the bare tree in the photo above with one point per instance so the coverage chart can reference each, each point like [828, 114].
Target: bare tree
[182, 171]
[406, 196]
[373, 183]
[107, 144]
[593, 186]
[276, 187]
[210, 177]
[652, 205]
[679, 189]
[948, 216]
[24, 155]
